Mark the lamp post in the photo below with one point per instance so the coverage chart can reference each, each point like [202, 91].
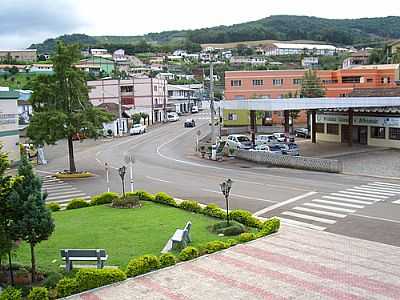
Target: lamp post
[225, 189]
[122, 172]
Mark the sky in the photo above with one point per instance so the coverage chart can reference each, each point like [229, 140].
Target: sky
[23, 22]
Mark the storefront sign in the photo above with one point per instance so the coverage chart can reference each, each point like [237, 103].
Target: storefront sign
[360, 120]
[6, 119]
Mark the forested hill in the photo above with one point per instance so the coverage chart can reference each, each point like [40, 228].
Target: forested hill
[340, 32]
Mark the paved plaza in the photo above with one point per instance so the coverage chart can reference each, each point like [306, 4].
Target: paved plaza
[296, 263]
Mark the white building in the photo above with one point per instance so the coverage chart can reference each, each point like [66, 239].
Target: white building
[309, 62]
[180, 52]
[119, 56]
[9, 134]
[182, 97]
[296, 49]
[100, 53]
[39, 68]
[251, 60]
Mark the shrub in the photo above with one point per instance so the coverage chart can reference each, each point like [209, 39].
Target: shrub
[214, 211]
[131, 200]
[92, 278]
[53, 206]
[167, 259]
[188, 253]
[189, 205]
[165, 199]
[246, 237]
[144, 196]
[142, 264]
[232, 242]
[38, 293]
[215, 246]
[269, 226]
[11, 294]
[77, 203]
[245, 217]
[52, 279]
[234, 228]
[67, 286]
[104, 198]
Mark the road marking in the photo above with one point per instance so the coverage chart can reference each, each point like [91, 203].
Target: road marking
[386, 183]
[330, 207]
[55, 186]
[383, 187]
[396, 202]
[339, 194]
[307, 217]
[376, 190]
[272, 207]
[347, 200]
[377, 218]
[301, 224]
[320, 212]
[338, 203]
[59, 188]
[158, 179]
[64, 193]
[240, 196]
[67, 196]
[357, 192]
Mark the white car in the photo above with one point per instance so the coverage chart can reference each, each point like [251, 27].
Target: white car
[239, 141]
[137, 129]
[172, 117]
[266, 139]
[195, 109]
[275, 149]
[280, 137]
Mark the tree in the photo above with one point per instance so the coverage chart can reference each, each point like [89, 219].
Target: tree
[311, 86]
[34, 222]
[136, 118]
[61, 106]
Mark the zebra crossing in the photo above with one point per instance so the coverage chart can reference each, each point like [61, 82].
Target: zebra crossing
[61, 192]
[323, 211]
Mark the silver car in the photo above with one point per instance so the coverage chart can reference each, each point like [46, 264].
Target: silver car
[265, 139]
[239, 141]
[275, 149]
[291, 149]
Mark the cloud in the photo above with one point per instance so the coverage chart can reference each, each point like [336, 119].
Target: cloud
[26, 21]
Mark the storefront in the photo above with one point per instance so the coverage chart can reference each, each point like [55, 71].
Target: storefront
[369, 128]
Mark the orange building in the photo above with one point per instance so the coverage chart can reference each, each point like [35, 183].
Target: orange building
[277, 84]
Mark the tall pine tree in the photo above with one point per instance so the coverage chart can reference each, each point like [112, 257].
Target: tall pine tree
[34, 223]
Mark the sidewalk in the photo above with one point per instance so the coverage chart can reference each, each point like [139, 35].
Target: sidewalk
[293, 264]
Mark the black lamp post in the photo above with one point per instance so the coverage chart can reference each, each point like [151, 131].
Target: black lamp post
[225, 189]
[122, 172]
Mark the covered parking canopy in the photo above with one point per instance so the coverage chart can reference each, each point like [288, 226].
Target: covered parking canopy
[310, 104]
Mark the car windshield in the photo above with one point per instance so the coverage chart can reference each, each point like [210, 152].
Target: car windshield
[243, 139]
[137, 126]
[275, 148]
[189, 120]
[293, 146]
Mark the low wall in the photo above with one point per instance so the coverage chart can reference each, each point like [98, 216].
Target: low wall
[295, 162]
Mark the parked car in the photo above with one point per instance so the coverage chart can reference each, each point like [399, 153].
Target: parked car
[239, 141]
[283, 138]
[291, 149]
[189, 123]
[137, 129]
[172, 117]
[275, 149]
[265, 139]
[195, 109]
[302, 132]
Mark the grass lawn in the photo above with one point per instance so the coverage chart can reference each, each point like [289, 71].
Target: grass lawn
[124, 233]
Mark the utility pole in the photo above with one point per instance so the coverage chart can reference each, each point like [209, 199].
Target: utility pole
[119, 108]
[212, 108]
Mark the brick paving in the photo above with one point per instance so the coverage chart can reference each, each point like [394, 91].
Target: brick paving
[296, 263]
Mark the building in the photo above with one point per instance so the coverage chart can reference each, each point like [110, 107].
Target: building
[100, 53]
[119, 55]
[394, 47]
[5, 69]
[275, 49]
[279, 83]
[41, 68]
[356, 59]
[183, 97]
[147, 95]
[309, 62]
[251, 60]
[107, 66]
[9, 134]
[27, 55]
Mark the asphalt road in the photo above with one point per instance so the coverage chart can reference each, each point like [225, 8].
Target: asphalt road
[363, 207]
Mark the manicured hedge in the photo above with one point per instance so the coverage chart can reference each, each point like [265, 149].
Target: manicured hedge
[92, 278]
[77, 203]
[144, 196]
[246, 237]
[38, 293]
[213, 210]
[142, 264]
[167, 259]
[245, 217]
[66, 287]
[105, 198]
[215, 246]
[188, 253]
[234, 228]
[53, 206]
[190, 205]
[164, 198]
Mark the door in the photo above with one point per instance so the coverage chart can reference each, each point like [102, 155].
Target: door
[345, 134]
[363, 135]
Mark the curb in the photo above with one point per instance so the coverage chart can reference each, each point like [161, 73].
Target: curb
[372, 176]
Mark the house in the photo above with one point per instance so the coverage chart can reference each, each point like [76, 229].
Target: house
[26, 55]
[251, 60]
[185, 76]
[184, 96]
[166, 76]
[119, 56]
[180, 52]
[41, 68]
[9, 134]
[24, 106]
[309, 62]
[275, 49]
[100, 53]
[394, 47]
[5, 69]
[117, 125]
[356, 59]
[107, 66]
[193, 56]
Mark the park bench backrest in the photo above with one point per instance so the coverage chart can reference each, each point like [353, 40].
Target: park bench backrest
[188, 226]
[83, 253]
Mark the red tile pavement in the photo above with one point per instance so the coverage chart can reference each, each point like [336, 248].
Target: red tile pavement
[293, 264]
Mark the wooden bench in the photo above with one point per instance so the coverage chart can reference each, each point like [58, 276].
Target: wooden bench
[71, 255]
[180, 239]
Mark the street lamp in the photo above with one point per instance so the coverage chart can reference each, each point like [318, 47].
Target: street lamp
[225, 189]
[122, 172]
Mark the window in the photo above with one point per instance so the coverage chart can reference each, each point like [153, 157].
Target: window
[320, 128]
[155, 88]
[236, 83]
[232, 117]
[369, 80]
[385, 80]
[378, 132]
[277, 81]
[332, 129]
[297, 81]
[329, 81]
[394, 133]
[126, 89]
[258, 82]
[351, 79]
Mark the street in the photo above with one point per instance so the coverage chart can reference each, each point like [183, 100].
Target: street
[165, 160]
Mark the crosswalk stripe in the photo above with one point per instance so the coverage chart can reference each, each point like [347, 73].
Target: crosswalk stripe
[389, 187]
[56, 187]
[62, 189]
[72, 196]
[361, 193]
[396, 202]
[308, 217]
[386, 183]
[330, 207]
[339, 194]
[373, 191]
[346, 200]
[302, 224]
[320, 212]
[337, 203]
[50, 180]
[381, 189]
[64, 193]
[66, 201]
[56, 184]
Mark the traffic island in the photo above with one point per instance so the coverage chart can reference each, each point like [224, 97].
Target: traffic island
[77, 175]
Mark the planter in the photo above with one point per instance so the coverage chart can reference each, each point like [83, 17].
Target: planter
[78, 175]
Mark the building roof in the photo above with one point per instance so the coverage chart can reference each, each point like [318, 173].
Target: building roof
[8, 94]
[376, 92]
[112, 108]
[18, 50]
[304, 46]
[377, 67]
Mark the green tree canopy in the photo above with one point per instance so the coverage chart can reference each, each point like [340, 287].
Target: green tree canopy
[311, 86]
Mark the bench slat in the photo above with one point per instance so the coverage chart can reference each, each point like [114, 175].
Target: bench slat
[85, 258]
